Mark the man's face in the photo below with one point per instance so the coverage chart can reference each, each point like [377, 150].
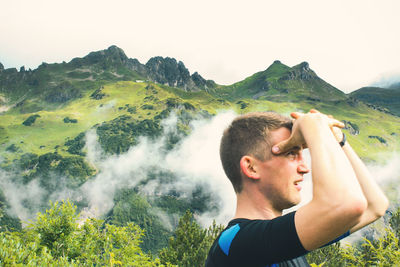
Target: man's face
[280, 175]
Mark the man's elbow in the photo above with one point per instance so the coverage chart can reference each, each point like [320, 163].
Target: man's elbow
[356, 208]
[380, 209]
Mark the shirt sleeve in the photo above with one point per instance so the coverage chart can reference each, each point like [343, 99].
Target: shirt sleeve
[262, 242]
[338, 239]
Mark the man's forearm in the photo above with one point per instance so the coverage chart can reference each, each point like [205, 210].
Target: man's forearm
[376, 199]
[332, 171]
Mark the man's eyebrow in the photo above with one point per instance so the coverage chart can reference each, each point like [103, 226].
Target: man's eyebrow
[296, 148]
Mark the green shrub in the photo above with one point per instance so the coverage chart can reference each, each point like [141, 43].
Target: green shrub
[132, 207]
[31, 120]
[68, 120]
[76, 145]
[118, 135]
[12, 148]
[381, 251]
[146, 106]
[190, 245]
[56, 239]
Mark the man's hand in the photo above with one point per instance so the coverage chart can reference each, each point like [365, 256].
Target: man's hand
[336, 130]
[296, 138]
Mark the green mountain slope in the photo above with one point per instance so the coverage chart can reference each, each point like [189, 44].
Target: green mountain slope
[47, 112]
[281, 83]
[381, 98]
[55, 103]
[52, 85]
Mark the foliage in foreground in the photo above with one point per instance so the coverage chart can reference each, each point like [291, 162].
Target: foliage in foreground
[57, 239]
[190, 246]
[383, 251]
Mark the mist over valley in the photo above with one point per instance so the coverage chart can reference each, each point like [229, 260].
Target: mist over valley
[131, 142]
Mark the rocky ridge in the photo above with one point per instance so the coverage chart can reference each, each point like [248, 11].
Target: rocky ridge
[84, 73]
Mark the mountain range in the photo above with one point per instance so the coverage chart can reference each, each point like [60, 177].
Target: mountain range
[48, 114]
[61, 82]
[382, 97]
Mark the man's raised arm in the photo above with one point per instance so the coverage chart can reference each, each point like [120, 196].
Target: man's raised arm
[376, 199]
[338, 201]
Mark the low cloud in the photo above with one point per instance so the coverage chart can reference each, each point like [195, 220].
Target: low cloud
[194, 162]
[385, 81]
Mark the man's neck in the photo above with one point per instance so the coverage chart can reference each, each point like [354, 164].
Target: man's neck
[254, 206]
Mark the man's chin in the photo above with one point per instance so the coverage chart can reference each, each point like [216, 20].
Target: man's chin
[295, 202]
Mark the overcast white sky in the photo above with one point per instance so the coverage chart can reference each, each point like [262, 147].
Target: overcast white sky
[349, 44]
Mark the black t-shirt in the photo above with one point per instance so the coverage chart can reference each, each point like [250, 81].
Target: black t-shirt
[248, 243]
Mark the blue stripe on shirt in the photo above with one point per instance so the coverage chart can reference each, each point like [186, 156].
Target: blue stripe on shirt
[226, 238]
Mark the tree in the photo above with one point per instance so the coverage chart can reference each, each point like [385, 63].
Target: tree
[394, 222]
[328, 256]
[381, 251]
[56, 239]
[191, 243]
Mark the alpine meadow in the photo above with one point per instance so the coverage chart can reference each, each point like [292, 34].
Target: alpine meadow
[108, 161]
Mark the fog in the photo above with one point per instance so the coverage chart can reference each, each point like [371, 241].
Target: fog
[194, 161]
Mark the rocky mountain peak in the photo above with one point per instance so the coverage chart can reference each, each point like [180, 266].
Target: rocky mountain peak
[304, 66]
[110, 56]
[301, 71]
[111, 63]
[168, 71]
[116, 52]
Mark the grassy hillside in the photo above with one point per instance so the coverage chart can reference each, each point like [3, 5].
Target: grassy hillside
[384, 98]
[42, 129]
[281, 83]
[49, 132]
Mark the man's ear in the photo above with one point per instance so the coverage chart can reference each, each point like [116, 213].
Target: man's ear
[247, 166]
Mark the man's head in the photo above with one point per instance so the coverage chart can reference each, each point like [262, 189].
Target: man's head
[249, 134]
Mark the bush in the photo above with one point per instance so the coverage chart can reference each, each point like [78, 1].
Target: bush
[98, 94]
[31, 120]
[146, 106]
[133, 208]
[382, 251]
[379, 138]
[76, 145]
[242, 104]
[118, 135]
[12, 148]
[68, 120]
[190, 245]
[56, 239]
[45, 166]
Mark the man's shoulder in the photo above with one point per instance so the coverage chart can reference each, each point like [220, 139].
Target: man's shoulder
[246, 242]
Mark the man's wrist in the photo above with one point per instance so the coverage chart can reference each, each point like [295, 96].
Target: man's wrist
[344, 139]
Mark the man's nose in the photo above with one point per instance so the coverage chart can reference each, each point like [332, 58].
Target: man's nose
[302, 168]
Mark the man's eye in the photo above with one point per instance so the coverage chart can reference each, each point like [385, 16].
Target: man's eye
[292, 153]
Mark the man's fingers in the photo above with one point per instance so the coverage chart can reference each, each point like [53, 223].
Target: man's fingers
[296, 115]
[333, 122]
[336, 123]
[283, 146]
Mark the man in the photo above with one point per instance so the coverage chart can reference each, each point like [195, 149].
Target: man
[262, 156]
